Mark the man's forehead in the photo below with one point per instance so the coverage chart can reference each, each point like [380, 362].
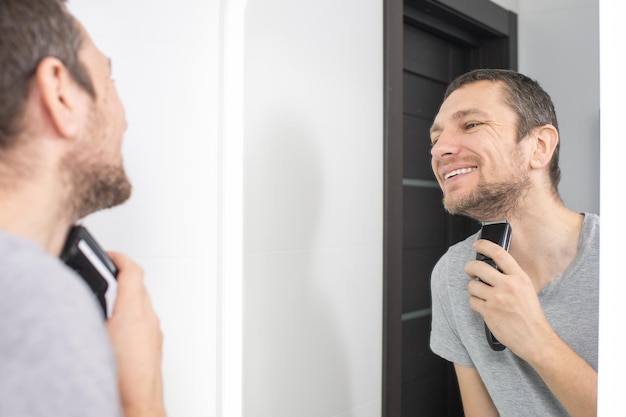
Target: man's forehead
[472, 98]
[477, 90]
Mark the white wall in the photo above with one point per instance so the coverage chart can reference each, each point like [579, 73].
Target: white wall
[166, 62]
[512, 5]
[313, 208]
[612, 285]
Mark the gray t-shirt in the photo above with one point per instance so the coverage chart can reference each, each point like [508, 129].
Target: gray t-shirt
[570, 304]
[55, 355]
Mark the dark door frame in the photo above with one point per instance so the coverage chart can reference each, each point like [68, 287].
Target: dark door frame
[496, 31]
[392, 209]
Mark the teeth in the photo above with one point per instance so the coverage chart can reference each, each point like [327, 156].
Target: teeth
[459, 171]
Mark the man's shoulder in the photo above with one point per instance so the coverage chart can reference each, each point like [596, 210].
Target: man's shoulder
[23, 261]
[450, 267]
[590, 235]
[591, 221]
[53, 331]
[35, 284]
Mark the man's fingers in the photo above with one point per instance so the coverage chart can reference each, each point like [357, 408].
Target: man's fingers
[501, 257]
[483, 271]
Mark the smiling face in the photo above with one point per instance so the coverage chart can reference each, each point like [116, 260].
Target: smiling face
[476, 156]
[94, 168]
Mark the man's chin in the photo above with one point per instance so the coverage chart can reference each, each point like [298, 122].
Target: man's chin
[455, 206]
[467, 208]
[120, 193]
[104, 196]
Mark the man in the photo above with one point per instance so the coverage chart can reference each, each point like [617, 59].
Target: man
[61, 127]
[495, 146]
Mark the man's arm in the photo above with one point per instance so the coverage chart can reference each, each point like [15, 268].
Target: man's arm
[136, 336]
[570, 378]
[476, 399]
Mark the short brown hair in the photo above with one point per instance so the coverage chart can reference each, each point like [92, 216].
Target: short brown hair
[525, 96]
[31, 30]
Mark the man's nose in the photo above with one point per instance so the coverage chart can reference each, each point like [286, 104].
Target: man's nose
[447, 143]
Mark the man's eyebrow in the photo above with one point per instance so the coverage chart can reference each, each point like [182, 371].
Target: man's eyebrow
[459, 115]
[469, 112]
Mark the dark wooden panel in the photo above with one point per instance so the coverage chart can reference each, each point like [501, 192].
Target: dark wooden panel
[425, 397]
[432, 57]
[422, 97]
[484, 11]
[418, 265]
[429, 385]
[454, 406]
[496, 54]
[460, 227]
[424, 19]
[434, 395]
[461, 61]
[425, 54]
[421, 361]
[416, 148]
[482, 18]
[424, 218]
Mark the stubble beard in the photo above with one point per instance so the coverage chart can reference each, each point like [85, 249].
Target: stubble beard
[92, 184]
[491, 201]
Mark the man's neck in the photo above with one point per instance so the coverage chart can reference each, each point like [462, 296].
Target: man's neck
[545, 240]
[34, 211]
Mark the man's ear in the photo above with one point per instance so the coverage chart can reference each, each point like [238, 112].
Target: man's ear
[64, 101]
[546, 138]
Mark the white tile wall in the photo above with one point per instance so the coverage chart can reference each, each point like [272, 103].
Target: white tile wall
[312, 332]
[612, 287]
[185, 22]
[313, 212]
[185, 294]
[539, 6]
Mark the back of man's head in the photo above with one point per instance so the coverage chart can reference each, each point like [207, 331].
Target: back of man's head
[31, 30]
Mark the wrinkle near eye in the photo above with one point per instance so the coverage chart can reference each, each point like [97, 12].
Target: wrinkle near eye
[472, 125]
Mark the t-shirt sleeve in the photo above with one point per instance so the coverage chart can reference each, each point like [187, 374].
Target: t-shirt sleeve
[55, 356]
[444, 337]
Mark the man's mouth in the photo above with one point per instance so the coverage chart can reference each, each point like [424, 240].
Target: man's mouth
[458, 172]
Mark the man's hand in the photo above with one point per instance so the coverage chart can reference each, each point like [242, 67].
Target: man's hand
[507, 300]
[136, 337]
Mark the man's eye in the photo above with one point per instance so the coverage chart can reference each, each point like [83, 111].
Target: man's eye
[433, 142]
[472, 125]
